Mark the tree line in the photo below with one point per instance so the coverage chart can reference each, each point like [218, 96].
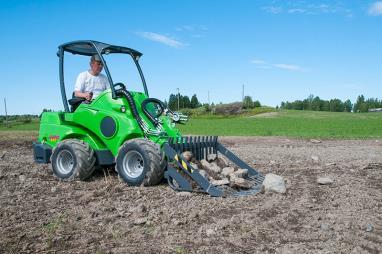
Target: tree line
[178, 101]
[314, 103]
[186, 103]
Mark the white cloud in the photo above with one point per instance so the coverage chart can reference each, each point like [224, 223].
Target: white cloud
[296, 10]
[191, 28]
[162, 39]
[289, 67]
[261, 64]
[272, 9]
[301, 7]
[376, 9]
[258, 61]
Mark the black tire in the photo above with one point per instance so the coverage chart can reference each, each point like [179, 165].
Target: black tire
[73, 159]
[141, 162]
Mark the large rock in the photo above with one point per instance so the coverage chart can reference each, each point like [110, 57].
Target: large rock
[220, 182]
[211, 168]
[274, 183]
[227, 171]
[187, 155]
[239, 182]
[222, 162]
[241, 172]
[194, 165]
[211, 157]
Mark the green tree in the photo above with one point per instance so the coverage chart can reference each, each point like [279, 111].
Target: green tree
[358, 104]
[316, 104]
[173, 102]
[336, 105]
[348, 106]
[247, 102]
[186, 103]
[194, 101]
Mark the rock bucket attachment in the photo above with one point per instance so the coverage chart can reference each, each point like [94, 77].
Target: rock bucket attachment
[182, 176]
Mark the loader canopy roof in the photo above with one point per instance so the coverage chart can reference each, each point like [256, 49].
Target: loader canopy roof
[89, 48]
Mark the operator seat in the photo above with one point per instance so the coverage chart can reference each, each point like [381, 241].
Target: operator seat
[74, 102]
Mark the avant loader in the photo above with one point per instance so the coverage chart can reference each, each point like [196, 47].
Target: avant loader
[130, 131]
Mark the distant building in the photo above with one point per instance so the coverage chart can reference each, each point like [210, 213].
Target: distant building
[375, 109]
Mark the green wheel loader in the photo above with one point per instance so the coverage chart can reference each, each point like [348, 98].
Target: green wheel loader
[129, 130]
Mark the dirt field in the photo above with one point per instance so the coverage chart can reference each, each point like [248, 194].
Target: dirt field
[42, 215]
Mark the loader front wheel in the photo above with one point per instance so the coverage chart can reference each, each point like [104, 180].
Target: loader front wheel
[73, 159]
[140, 162]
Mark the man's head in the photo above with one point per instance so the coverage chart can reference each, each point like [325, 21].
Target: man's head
[95, 65]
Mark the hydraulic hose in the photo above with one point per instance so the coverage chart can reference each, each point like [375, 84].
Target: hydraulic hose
[133, 108]
[153, 119]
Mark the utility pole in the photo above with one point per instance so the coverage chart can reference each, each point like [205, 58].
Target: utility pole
[242, 94]
[178, 97]
[209, 98]
[6, 114]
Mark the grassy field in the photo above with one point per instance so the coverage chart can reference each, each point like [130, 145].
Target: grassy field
[306, 124]
[20, 126]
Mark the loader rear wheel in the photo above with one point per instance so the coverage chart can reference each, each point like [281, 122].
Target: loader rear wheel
[141, 162]
[73, 159]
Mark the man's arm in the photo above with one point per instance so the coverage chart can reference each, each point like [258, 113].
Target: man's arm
[87, 96]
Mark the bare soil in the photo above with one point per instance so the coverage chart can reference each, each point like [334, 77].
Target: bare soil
[39, 214]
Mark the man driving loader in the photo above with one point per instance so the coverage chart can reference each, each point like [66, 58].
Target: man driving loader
[91, 83]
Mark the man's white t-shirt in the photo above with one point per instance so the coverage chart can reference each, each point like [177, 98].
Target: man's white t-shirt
[87, 82]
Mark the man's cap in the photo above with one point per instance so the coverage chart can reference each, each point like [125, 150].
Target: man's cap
[95, 58]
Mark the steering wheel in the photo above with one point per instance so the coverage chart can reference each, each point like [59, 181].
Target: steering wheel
[159, 108]
[120, 85]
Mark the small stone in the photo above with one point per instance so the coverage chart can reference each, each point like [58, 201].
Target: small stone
[324, 226]
[210, 232]
[315, 141]
[140, 221]
[22, 178]
[227, 171]
[241, 172]
[314, 158]
[53, 189]
[184, 193]
[220, 182]
[3, 154]
[325, 180]
[187, 155]
[369, 228]
[274, 183]
[211, 157]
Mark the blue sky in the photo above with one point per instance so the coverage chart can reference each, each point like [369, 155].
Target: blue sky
[279, 50]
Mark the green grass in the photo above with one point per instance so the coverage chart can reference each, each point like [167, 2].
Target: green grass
[292, 123]
[307, 124]
[20, 126]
